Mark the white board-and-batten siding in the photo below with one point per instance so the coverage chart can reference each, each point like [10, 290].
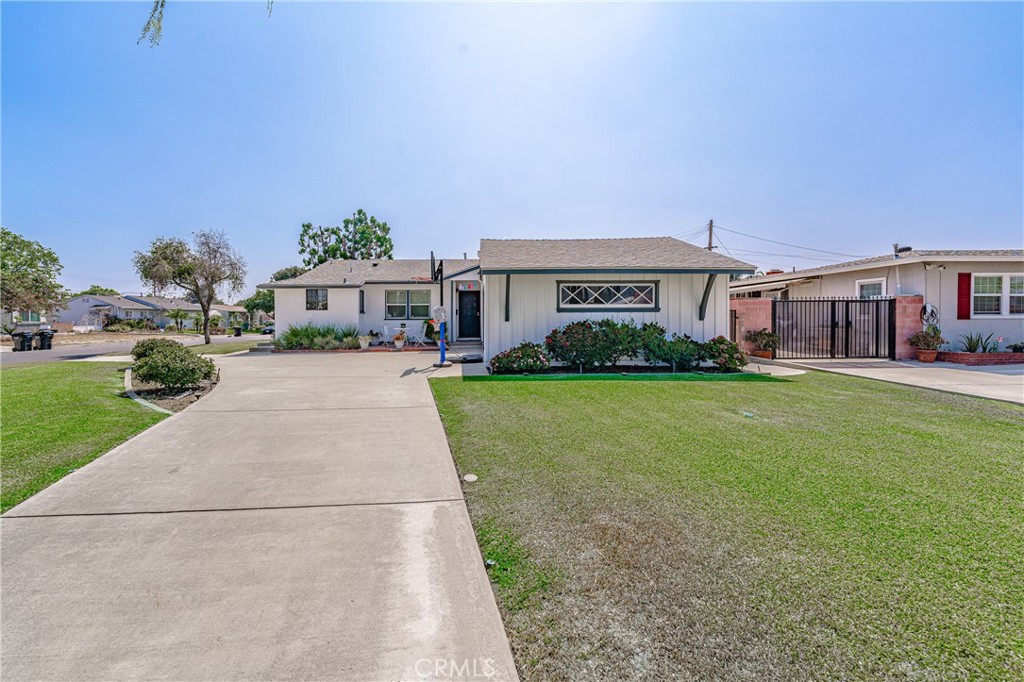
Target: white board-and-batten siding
[533, 306]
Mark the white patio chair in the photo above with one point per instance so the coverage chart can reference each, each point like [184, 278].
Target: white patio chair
[385, 337]
[418, 337]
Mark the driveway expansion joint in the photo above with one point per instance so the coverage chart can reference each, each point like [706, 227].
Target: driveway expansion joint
[156, 512]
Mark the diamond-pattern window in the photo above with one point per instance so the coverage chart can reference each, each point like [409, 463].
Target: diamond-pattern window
[597, 295]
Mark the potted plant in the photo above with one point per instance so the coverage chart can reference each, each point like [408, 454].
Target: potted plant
[927, 343]
[364, 341]
[399, 339]
[765, 342]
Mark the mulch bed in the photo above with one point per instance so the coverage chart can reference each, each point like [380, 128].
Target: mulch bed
[174, 400]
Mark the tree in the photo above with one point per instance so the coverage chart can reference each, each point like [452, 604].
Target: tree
[197, 321]
[97, 290]
[153, 29]
[199, 268]
[178, 316]
[262, 300]
[360, 237]
[28, 275]
[290, 272]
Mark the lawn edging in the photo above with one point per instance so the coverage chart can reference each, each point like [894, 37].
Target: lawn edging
[130, 392]
[650, 376]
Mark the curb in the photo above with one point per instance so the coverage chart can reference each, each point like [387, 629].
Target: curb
[135, 396]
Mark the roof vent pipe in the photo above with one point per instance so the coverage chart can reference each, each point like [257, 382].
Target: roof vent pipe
[897, 250]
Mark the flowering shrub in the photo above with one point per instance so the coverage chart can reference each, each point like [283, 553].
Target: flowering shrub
[724, 353]
[681, 353]
[526, 357]
[578, 344]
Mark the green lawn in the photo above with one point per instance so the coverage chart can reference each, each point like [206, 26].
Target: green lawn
[848, 529]
[58, 417]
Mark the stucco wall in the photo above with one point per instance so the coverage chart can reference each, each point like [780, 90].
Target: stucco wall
[290, 308]
[533, 307]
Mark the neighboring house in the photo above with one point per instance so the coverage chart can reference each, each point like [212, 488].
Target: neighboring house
[21, 319]
[90, 310]
[520, 289]
[972, 291]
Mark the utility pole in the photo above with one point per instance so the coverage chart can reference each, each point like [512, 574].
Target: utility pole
[711, 235]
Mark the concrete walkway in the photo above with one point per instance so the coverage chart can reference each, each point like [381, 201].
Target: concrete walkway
[999, 382]
[302, 521]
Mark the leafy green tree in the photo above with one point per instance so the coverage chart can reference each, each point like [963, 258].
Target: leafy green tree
[360, 237]
[290, 272]
[197, 320]
[28, 274]
[97, 290]
[178, 316]
[262, 300]
[201, 268]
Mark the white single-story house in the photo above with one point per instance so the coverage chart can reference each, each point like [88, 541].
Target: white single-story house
[973, 291]
[520, 289]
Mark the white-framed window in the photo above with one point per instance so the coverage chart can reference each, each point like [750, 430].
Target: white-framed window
[608, 296]
[407, 304]
[997, 295]
[316, 299]
[871, 288]
[28, 316]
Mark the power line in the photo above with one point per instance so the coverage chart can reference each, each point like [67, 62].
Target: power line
[795, 246]
[789, 255]
[724, 247]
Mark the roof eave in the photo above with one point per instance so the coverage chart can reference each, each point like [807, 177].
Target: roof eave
[618, 271]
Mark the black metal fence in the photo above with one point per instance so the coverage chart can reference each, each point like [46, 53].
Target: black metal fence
[835, 327]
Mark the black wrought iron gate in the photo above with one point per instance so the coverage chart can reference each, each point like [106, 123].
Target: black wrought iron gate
[835, 328]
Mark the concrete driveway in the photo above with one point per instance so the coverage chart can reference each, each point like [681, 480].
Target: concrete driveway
[303, 521]
[999, 382]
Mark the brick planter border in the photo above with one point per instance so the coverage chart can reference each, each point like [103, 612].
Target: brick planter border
[975, 359]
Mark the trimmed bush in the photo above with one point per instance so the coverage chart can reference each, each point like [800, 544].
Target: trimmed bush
[579, 344]
[174, 367]
[147, 347]
[526, 357]
[681, 353]
[725, 354]
[619, 340]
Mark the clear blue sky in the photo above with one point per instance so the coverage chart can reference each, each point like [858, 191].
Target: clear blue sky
[840, 127]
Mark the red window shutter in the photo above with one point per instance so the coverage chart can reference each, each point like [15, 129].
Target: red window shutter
[963, 296]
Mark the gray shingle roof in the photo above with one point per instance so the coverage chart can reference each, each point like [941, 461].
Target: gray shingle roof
[166, 303]
[633, 253]
[119, 301]
[355, 273]
[882, 261]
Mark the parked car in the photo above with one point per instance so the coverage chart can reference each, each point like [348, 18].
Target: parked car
[268, 329]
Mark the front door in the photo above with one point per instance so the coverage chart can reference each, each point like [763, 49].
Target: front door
[469, 314]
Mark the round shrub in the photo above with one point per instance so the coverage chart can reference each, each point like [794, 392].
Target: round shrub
[579, 344]
[174, 367]
[619, 340]
[681, 353]
[725, 354]
[147, 347]
[526, 357]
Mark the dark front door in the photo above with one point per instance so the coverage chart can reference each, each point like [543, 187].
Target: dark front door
[469, 314]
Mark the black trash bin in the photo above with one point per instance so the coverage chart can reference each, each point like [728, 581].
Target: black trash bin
[238, 331]
[22, 340]
[44, 339]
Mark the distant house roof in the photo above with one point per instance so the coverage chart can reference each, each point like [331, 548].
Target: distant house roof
[906, 258]
[224, 308]
[355, 273]
[118, 301]
[166, 303]
[651, 254]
